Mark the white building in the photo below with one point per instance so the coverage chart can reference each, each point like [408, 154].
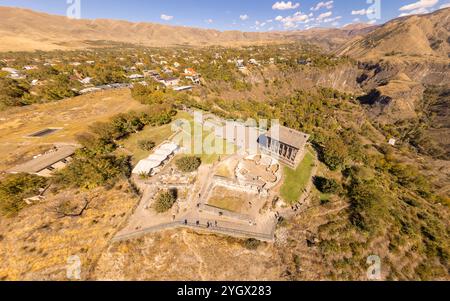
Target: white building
[149, 165]
[30, 67]
[170, 82]
[182, 88]
[136, 76]
[253, 62]
[86, 81]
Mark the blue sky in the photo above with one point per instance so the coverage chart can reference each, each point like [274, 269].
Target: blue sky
[247, 15]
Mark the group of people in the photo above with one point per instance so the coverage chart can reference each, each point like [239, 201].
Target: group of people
[198, 224]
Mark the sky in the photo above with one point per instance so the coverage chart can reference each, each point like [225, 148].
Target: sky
[245, 15]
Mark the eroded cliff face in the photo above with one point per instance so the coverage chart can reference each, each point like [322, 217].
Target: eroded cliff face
[271, 82]
[395, 90]
[427, 73]
[342, 78]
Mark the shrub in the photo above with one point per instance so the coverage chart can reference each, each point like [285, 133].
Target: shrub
[188, 164]
[368, 205]
[325, 185]
[165, 201]
[252, 244]
[15, 188]
[333, 153]
[146, 145]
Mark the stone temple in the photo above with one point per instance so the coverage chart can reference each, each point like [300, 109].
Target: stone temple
[285, 144]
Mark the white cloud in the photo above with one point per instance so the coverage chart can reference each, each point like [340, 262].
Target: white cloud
[363, 12]
[291, 22]
[371, 22]
[324, 16]
[209, 21]
[419, 5]
[445, 5]
[327, 5]
[285, 5]
[328, 20]
[418, 11]
[166, 17]
[244, 17]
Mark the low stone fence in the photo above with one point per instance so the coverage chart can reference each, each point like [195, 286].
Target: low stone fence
[194, 226]
[240, 186]
[226, 213]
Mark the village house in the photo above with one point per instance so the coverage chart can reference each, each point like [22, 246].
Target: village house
[86, 81]
[240, 64]
[305, 62]
[190, 72]
[135, 76]
[150, 73]
[182, 88]
[30, 67]
[13, 73]
[170, 82]
[253, 62]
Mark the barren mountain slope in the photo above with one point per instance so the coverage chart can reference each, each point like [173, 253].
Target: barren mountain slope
[420, 36]
[22, 29]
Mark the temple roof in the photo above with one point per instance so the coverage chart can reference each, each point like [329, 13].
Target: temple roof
[288, 136]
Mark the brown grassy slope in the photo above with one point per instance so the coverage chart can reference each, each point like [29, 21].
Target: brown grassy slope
[421, 36]
[184, 255]
[22, 29]
[36, 244]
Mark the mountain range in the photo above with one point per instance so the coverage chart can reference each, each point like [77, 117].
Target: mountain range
[23, 29]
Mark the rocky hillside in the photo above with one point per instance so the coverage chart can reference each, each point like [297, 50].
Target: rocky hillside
[423, 37]
[399, 61]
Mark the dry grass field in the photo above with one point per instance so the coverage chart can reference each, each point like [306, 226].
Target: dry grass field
[183, 255]
[72, 115]
[36, 244]
[230, 200]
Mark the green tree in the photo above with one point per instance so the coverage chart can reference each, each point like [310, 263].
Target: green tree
[165, 201]
[146, 145]
[15, 188]
[188, 164]
[325, 185]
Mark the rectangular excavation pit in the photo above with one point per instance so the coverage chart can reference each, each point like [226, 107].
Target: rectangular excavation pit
[44, 133]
